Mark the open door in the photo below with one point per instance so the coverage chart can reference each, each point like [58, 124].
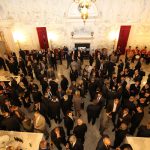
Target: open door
[123, 38]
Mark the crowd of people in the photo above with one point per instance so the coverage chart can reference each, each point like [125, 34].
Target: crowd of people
[106, 79]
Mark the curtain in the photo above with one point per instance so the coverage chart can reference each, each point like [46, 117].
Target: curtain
[42, 35]
[123, 38]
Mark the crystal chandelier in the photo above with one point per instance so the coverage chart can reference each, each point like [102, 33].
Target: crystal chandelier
[83, 7]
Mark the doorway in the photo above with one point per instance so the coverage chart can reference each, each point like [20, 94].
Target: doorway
[85, 48]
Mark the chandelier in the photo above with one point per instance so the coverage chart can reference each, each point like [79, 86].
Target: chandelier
[83, 7]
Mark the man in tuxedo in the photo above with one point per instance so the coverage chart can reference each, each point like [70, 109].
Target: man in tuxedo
[101, 101]
[54, 86]
[124, 117]
[135, 88]
[69, 122]
[54, 105]
[136, 119]
[93, 110]
[114, 106]
[74, 143]
[104, 143]
[120, 135]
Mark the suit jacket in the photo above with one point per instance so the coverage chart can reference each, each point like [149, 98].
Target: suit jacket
[10, 124]
[43, 109]
[143, 131]
[78, 146]
[101, 145]
[134, 90]
[93, 110]
[137, 118]
[54, 108]
[68, 122]
[80, 131]
[54, 136]
[64, 84]
[125, 119]
[111, 105]
[54, 87]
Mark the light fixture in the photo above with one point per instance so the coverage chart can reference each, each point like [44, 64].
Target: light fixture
[92, 34]
[72, 34]
[18, 37]
[83, 7]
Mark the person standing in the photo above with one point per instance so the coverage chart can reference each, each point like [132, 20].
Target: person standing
[93, 112]
[104, 143]
[120, 134]
[58, 137]
[136, 119]
[77, 103]
[80, 130]
[69, 122]
[74, 143]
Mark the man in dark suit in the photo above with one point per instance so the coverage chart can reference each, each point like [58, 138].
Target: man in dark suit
[136, 119]
[124, 117]
[44, 84]
[10, 123]
[129, 103]
[120, 66]
[64, 83]
[135, 88]
[80, 130]
[114, 106]
[120, 134]
[92, 89]
[104, 143]
[93, 112]
[69, 122]
[54, 86]
[22, 54]
[54, 106]
[2, 63]
[110, 68]
[74, 143]
[144, 130]
[58, 137]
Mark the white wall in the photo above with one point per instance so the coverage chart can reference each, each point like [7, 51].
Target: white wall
[25, 15]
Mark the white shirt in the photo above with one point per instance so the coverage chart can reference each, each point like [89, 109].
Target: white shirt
[114, 107]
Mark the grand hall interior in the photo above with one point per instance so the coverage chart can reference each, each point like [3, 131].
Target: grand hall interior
[74, 74]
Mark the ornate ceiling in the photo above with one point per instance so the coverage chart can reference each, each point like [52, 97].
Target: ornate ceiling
[56, 11]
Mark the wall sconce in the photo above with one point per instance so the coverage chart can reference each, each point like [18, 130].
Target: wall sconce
[72, 34]
[18, 37]
[92, 34]
[113, 36]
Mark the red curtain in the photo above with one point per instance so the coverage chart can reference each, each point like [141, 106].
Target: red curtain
[123, 38]
[43, 40]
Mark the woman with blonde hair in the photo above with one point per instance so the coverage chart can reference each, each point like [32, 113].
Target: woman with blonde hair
[77, 103]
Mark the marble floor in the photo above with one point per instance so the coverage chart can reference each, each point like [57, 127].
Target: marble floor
[92, 135]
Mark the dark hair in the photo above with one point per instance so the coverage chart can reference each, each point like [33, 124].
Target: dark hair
[105, 136]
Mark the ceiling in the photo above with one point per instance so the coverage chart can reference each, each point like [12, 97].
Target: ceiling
[56, 11]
